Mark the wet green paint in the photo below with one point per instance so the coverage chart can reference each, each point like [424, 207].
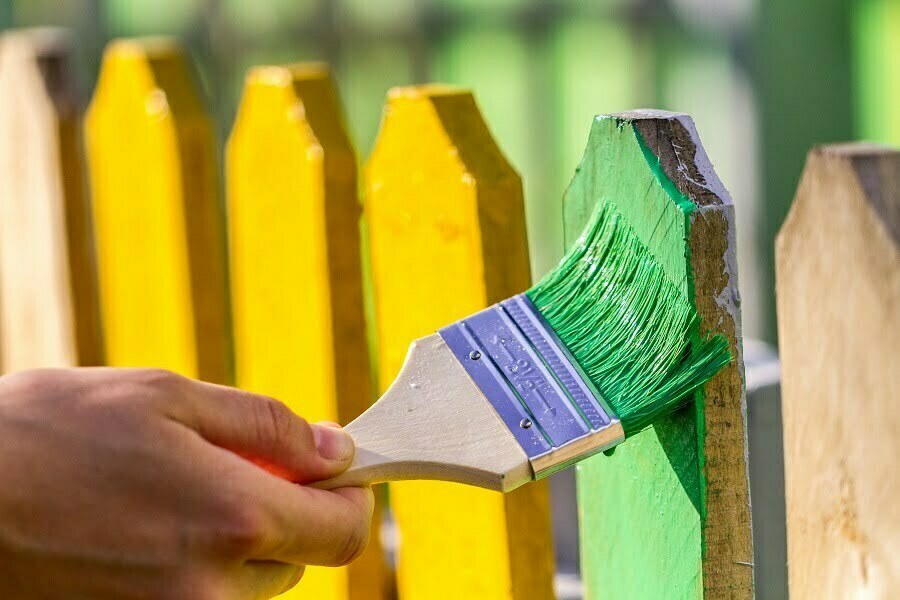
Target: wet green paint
[631, 330]
[641, 508]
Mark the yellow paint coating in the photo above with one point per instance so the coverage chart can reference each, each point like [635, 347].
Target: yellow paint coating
[447, 237]
[295, 269]
[158, 222]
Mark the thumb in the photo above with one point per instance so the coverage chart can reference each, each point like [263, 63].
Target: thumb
[265, 431]
[332, 442]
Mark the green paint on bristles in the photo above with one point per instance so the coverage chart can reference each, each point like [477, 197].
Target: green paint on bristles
[629, 328]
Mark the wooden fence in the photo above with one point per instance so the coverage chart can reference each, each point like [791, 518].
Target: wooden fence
[148, 273]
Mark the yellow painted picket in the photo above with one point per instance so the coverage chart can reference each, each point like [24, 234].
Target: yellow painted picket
[447, 237]
[299, 328]
[158, 220]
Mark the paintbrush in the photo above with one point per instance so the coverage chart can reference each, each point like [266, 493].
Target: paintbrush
[600, 348]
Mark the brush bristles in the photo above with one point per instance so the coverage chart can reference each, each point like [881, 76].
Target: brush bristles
[632, 332]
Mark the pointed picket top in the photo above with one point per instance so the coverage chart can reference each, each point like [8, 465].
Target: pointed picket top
[154, 71]
[683, 525]
[48, 297]
[296, 278]
[305, 102]
[452, 116]
[451, 181]
[837, 270]
[447, 237]
[158, 222]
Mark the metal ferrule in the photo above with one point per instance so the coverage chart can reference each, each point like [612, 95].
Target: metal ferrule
[533, 383]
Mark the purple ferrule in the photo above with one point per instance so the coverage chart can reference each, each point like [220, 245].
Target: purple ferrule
[527, 375]
[495, 387]
[554, 353]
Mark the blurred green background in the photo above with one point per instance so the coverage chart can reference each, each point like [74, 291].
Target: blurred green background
[763, 79]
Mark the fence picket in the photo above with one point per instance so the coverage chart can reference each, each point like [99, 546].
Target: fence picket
[157, 218]
[668, 514]
[48, 295]
[838, 275]
[295, 269]
[447, 232]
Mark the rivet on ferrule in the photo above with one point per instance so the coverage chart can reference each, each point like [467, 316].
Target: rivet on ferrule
[528, 377]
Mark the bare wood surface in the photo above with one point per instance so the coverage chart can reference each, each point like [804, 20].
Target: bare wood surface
[434, 423]
[838, 290]
[48, 297]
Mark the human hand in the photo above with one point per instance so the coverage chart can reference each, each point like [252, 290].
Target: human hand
[137, 483]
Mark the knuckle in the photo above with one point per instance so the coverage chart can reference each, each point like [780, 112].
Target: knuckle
[151, 388]
[281, 415]
[240, 532]
[354, 545]
[29, 382]
[158, 379]
[274, 420]
[41, 389]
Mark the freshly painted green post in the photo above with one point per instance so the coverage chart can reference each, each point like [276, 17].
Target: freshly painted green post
[667, 515]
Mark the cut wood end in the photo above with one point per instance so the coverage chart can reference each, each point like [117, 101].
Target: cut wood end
[427, 91]
[638, 114]
[285, 75]
[309, 70]
[42, 41]
[673, 138]
[856, 150]
[149, 48]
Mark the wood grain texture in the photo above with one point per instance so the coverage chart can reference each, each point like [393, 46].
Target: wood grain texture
[299, 329]
[434, 423]
[158, 220]
[446, 225]
[668, 514]
[838, 276]
[48, 294]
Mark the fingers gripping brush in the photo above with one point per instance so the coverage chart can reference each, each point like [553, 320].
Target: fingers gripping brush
[595, 352]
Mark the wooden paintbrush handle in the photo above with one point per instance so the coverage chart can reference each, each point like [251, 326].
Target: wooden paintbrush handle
[370, 467]
[433, 423]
